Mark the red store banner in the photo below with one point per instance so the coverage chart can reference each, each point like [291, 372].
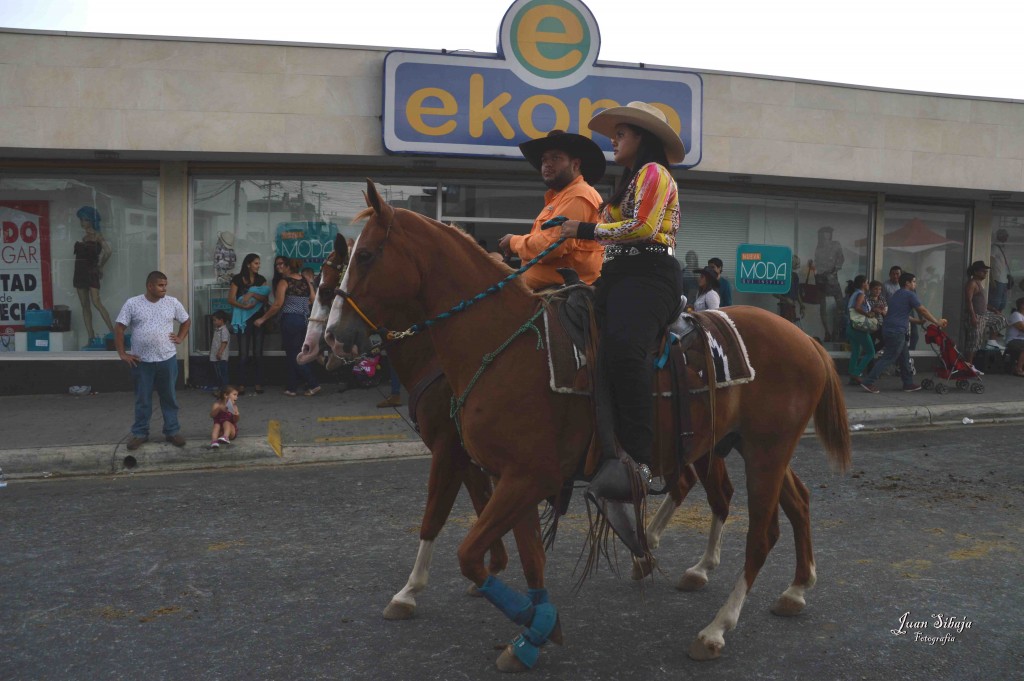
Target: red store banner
[25, 282]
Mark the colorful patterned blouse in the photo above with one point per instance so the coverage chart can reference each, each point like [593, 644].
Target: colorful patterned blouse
[649, 212]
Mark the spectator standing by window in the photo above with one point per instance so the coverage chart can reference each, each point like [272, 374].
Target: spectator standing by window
[292, 299]
[982, 321]
[724, 287]
[250, 336]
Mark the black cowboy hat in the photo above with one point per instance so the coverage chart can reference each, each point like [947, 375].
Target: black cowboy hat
[592, 163]
[709, 275]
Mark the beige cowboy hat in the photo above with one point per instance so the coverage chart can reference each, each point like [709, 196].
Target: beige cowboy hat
[642, 115]
[228, 238]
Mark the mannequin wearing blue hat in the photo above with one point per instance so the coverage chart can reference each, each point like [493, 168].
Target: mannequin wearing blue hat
[91, 254]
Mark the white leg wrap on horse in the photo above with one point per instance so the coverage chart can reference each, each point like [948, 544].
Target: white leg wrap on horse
[660, 521]
[419, 575]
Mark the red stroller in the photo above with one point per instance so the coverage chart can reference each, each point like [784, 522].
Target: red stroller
[952, 365]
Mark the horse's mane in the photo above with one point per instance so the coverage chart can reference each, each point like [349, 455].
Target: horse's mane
[466, 239]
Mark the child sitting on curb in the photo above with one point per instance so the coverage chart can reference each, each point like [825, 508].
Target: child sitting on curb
[225, 417]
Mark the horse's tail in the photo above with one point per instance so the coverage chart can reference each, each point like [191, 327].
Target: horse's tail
[830, 422]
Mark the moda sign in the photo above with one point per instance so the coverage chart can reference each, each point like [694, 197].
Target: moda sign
[544, 76]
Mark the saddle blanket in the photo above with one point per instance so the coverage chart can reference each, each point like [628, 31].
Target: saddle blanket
[567, 363]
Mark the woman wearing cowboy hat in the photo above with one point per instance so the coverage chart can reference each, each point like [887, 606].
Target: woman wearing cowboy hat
[640, 282]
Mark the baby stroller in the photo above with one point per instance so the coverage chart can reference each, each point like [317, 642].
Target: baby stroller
[952, 365]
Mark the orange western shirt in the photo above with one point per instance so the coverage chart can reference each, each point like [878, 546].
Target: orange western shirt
[577, 201]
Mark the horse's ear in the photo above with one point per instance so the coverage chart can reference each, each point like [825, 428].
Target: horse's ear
[341, 247]
[377, 203]
[373, 199]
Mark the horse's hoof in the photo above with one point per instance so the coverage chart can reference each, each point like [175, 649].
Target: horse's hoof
[692, 581]
[473, 591]
[399, 611]
[556, 634]
[704, 650]
[509, 663]
[787, 606]
[642, 568]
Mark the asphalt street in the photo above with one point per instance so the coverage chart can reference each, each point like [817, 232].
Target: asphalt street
[283, 573]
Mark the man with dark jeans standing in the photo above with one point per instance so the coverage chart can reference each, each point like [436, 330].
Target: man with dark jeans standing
[894, 334]
[153, 360]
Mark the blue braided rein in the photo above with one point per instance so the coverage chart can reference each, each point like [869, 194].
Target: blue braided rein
[462, 305]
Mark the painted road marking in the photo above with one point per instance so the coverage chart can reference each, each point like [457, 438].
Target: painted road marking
[378, 417]
[274, 436]
[359, 438]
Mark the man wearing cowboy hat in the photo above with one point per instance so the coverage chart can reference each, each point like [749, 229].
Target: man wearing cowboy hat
[569, 164]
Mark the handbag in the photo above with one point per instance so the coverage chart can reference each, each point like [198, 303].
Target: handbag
[811, 293]
[861, 322]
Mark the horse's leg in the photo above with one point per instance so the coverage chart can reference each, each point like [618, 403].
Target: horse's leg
[765, 467]
[442, 489]
[655, 528]
[796, 502]
[715, 478]
[479, 486]
[514, 506]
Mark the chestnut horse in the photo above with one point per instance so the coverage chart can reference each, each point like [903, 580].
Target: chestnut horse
[532, 439]
[450, 467]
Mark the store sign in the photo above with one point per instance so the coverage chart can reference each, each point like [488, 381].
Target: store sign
[763, 269]
[311, 242]
[24, 262]
[543, 77]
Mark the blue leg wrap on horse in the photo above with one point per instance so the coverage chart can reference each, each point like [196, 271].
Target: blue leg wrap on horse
[538, 596]
[527, 645]
[513, 604]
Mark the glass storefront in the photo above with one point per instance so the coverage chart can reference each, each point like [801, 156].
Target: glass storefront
[831, 235]
[1007, 255]
[74, 249]
[296, 218]
[929, 241]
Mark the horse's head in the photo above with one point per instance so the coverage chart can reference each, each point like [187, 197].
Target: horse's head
[330, 275]
[384, 272]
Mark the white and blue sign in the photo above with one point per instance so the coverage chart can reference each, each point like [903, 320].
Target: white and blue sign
[544, 77]
[309, 241]
[762, 268]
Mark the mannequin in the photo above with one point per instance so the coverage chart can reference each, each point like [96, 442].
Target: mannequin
[91, 254]
[828, 260]
[224, 257]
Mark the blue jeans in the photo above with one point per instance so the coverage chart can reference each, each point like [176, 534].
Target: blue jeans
[293, 333]
[997, 295]
[894, 348]
[159, 376]
[220, 370]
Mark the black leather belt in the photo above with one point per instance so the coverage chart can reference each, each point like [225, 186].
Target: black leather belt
[638, 249]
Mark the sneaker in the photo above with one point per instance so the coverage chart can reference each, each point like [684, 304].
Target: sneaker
[177, 440]
[870, 388]
[136, 442]
[854, 380]
[223, 440]
[391, 401]
[214, 445]
[290, 393]
[912, 388]
[312, 391]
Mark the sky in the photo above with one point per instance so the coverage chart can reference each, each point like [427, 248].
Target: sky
[967, 47]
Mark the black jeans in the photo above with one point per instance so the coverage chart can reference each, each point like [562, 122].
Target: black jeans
[250, 353]
[634, 305]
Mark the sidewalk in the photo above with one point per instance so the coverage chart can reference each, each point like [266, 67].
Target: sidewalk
[52, 435]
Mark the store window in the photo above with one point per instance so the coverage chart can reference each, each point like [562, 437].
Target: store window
[1007, 259]
[74, 249]
[929, 242]
[297, 218]
[833, 236]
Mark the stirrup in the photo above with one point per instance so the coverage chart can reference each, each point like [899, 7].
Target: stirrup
[612, 492]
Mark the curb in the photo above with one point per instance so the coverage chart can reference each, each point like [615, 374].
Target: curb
[48, 462]
[894, 418]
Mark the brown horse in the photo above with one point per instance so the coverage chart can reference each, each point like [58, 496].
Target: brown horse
[532, 439]
[450, 467]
